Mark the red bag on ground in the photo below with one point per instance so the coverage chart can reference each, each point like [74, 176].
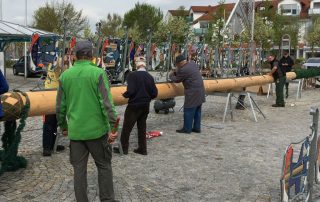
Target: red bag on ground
[153, 133]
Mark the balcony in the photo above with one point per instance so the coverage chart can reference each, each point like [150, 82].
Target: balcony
[314, 11]
[289, 9]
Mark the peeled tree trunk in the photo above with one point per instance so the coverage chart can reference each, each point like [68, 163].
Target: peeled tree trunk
[44, 102]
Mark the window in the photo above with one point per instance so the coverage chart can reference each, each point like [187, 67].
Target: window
[21, 60]
[204, 25]
[316, 5]
[289, 9]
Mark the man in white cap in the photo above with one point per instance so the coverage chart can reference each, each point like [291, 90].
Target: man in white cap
[141, 90]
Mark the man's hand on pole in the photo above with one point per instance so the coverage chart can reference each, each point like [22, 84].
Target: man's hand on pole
[112, 136]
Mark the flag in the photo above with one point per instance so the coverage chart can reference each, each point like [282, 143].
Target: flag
[131, 48]
[72, 43]
[138, 50]
[153, 48]
[34, 39]
[105, 44]
[174, 46]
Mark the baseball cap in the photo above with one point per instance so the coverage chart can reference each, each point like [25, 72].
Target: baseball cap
[179, 59]
[84, 46]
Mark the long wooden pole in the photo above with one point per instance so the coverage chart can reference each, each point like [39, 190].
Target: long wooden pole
[44, 102]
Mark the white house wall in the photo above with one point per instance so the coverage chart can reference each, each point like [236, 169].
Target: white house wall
[196, 15]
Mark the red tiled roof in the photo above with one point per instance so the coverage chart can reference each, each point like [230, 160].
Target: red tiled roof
[179, 12]
[201, 9]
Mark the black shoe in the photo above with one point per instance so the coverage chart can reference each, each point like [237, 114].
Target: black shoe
[240, 107]
[196, 131]
[276, 105]
[138, 151]
[60, 148]
[182, 131]
[117, 150]
[47, 152]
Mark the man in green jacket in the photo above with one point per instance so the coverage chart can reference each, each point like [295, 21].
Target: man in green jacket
[86, 110]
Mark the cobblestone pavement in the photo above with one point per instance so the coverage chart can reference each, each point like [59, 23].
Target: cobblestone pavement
[238, 160]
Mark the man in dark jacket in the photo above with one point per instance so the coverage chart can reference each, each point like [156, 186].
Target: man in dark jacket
[279, 76]
[286, 62]
[141, 90]
[188, 73]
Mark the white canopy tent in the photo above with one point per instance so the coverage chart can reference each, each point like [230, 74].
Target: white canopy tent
[11, 32]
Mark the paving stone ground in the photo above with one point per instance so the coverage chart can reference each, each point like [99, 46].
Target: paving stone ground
[238, 160]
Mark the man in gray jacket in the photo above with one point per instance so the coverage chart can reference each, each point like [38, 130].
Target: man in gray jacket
[188, 73]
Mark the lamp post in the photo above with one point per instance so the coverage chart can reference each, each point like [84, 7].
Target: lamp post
[286, 38]
[25, 44]
[125, 53]
[1, 9]
[168, 57]
[63, 43]
[98, 27]
[148, 55]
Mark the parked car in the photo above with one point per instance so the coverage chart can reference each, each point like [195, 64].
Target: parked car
[312, 63]
[18, 67]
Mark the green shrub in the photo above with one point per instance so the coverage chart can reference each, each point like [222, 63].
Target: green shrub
[9, 63]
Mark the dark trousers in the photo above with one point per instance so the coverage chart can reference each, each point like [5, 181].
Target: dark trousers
[287, 89]
[192, 118]
[280, 82]
[101, 152]
[49, 131]
[134, 115]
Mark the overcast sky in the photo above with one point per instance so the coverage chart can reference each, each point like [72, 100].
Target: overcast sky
[14, 10]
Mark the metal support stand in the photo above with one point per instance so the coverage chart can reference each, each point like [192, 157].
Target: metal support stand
[58, 136]
[228, 104]
[270, 90]
[117, 143]
[299, 88]
[229, 108]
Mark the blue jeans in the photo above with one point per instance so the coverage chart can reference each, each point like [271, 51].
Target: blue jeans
[192, 119]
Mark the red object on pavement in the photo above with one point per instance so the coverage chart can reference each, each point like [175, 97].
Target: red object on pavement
[152, 134]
